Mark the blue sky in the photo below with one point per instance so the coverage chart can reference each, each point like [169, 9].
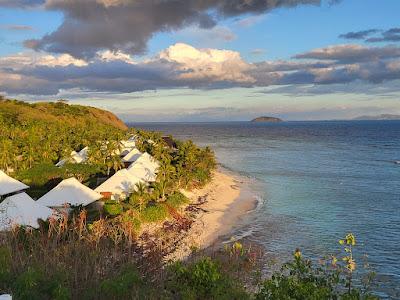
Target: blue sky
[244, 62]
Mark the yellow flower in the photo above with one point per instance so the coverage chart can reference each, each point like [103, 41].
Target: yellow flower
[341, 242]
[238, 246]
[297, 253]
[351, 265]
[350, 239]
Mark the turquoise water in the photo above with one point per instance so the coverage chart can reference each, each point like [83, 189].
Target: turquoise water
[318, 181]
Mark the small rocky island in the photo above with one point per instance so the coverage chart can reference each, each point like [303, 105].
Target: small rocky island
[266, 119]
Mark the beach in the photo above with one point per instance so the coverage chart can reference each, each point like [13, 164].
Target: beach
[225, 202]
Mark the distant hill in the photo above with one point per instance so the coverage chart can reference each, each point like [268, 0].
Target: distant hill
[266, 119]
[379, 117]
[19, 112]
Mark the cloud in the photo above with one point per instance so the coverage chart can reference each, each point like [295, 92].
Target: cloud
[374, 35]
[391, 35]
[207, 37]
[257, 51]
[359, 35]
[93, 25]
[351, 53]
[16, 27]
[21, 3]
[184, 66]
[249, 21]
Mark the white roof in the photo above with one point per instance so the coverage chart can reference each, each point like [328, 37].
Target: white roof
[132, 156]
[125, 151]
[129, 143]
[20, 209]
[121, 182]
[84, 153]
[69, 191]
[10, 185]
[146, 173]
[75, 157]
[147, 160]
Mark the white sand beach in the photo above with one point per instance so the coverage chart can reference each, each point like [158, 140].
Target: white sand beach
[227, 201]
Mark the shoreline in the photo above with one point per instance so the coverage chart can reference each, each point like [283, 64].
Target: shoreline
[227, 201]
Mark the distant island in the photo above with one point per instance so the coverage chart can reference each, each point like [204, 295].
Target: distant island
[266, 119]
[379, 117]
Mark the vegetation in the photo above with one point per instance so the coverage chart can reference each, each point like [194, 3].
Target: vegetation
[34, 137]
[44, 133]
[69, 259]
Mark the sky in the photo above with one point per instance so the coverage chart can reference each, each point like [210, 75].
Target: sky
[205, 60]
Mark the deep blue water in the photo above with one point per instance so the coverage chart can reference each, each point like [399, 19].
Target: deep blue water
[319, 180]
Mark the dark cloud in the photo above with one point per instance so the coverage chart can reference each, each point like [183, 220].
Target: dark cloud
[93, 25]
[391, 35]
[351, 53]
[374, 35]
[359, 35]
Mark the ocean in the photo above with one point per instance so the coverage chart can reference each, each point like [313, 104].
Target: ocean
[316, 181]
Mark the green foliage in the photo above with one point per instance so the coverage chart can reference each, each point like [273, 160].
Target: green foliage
[299, 279]
[113, 208]
[34, 284]
[123, 285]
[202, 280]
[154, 213]
[177, 199]
[5, 267]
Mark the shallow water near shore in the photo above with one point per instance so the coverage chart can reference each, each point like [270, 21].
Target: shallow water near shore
[316, 182]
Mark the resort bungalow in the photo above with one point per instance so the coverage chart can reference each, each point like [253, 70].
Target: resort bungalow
[119, 186]
[84, 153]
[9, 185]
[75, 157]
[142, 171]
[131, 157]
[129, 143]
[22, 210]
[127, 146]
[69, 192]
[148, 161]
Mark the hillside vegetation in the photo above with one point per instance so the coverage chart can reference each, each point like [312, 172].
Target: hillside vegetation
[18, 113]
[46, 132]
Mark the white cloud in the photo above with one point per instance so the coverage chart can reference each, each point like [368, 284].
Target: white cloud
[219, 65]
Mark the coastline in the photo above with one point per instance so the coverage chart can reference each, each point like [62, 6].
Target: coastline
[227, 201]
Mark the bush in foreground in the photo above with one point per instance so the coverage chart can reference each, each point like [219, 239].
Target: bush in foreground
[72, 260]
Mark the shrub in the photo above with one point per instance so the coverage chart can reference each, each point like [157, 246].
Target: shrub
[177, 199]
[299, 279]
[154, 213]
[113, 208]
[122, 285]
[131, 217]
[34, 284]
[5, 267]
[202, 280]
